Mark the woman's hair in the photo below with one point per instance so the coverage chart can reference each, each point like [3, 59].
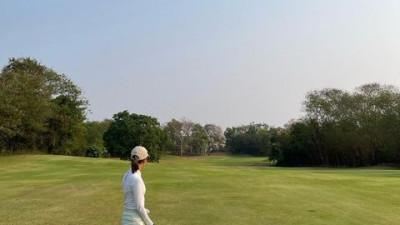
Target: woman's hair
[135, 163]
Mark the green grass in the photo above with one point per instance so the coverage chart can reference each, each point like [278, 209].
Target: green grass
[46, 189]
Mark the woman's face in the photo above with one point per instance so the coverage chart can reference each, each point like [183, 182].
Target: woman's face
[141, 165]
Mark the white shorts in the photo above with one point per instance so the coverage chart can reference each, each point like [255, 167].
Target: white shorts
[132, 217]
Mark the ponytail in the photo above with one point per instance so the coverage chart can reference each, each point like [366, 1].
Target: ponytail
[135, 163]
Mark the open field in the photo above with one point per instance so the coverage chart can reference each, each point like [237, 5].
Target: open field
[47, 189]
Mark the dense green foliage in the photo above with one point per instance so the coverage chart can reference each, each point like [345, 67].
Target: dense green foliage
[253, 139]
[216, 190]
[189, 138]
[129, 130]
[340, 129]
[94, 131]
[175, 134]
[345, 129]
[40, 109]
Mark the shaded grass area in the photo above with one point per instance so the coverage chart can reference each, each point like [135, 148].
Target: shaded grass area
[45, 189]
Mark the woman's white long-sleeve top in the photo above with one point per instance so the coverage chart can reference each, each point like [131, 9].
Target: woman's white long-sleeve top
[134, 191]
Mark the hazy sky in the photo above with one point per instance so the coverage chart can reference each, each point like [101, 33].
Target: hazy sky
[216, 61]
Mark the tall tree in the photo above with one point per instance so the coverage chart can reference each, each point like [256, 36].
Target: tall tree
[347, 129]
[129, 130]
[188, 138]
[174, 131]
[216, 138]
[34, 96]
[186, 131]
[94, 131]
[253, 139]
[198, 140]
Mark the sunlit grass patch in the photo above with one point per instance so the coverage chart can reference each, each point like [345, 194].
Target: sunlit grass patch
[46, 189]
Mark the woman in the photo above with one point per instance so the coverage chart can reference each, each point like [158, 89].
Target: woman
[134, 190]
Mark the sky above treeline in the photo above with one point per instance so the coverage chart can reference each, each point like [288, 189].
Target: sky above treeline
[225, 62]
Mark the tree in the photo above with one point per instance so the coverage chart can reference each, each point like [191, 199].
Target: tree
[174, 131]
[216, 138]
[40, 109]
[253, 139]
[24, 108]
[187, 137]
[129, 130]
[278, 139]
[198, 140]
[298, 146]
[186, 132]
[94, 131]
[346, 129]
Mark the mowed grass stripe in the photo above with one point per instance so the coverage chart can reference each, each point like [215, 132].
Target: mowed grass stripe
[47, 189]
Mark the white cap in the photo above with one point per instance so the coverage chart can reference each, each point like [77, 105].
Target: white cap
[140, 151]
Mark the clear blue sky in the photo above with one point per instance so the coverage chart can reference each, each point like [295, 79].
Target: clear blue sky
[216, 61]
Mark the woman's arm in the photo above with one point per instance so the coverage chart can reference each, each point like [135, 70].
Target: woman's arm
[138, 192]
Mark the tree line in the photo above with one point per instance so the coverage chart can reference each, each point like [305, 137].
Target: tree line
[346, 129]
[340, 128]
[179, 137]
[42, 110]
